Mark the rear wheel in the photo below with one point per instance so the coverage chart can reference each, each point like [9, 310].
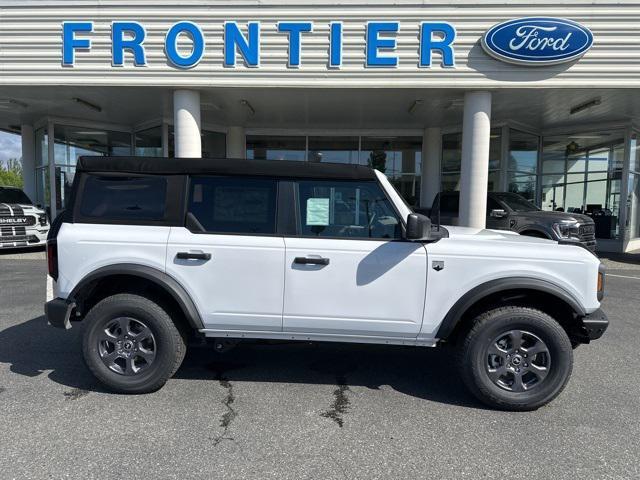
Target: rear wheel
[516, 358]
[131, 344]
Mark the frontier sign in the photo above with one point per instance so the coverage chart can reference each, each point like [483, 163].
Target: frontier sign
[379, 43]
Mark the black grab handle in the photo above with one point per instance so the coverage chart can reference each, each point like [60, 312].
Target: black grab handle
[193, 256]
[311, 261]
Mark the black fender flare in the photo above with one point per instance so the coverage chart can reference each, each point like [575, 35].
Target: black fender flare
[158, 277]
[537, 229]
[491, 287]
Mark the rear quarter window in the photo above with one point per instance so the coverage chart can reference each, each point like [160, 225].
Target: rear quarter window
[138, 198]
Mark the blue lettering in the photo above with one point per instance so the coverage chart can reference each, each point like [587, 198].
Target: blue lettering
[375, 43]
[249, 48]
[171, 44]
[443, 45]
[70, 44]
[335, 45]
[134, 44]
[295, 29]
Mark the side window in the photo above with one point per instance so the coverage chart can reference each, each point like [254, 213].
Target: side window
[234, 204]
[492, 204]
[347, 209]
[450, 205]
[124, 197]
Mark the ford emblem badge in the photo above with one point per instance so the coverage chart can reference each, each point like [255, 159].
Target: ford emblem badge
[537, 41]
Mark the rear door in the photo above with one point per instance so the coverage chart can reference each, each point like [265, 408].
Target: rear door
[229, 257]
[348, 271]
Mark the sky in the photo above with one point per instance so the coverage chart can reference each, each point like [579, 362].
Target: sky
[10, 146]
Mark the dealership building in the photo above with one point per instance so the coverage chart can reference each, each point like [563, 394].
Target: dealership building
[536, 97]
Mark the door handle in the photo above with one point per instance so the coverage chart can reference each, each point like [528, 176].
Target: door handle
[311, 260]
[193, 256]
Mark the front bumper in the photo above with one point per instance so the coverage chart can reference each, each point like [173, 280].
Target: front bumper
[58, 312]
[31, 238]
[595, 324]
[590, 327]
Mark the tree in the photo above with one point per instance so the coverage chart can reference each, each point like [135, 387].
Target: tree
[11, 173]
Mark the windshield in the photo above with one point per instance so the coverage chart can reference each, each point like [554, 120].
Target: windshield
[517, 203]
[13, 195]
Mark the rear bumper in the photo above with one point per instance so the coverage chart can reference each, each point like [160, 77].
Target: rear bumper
[58, 312]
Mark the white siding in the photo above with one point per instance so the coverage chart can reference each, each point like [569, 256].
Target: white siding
[30, 44]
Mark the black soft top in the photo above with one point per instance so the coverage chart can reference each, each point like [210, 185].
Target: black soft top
[224, 166]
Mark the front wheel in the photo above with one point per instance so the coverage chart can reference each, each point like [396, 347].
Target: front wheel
[516, 358]
[131, 344]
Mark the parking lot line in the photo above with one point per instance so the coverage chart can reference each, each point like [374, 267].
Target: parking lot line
[622, 276]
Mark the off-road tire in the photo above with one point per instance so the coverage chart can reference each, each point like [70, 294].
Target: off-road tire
[473, 357]
[170, 346]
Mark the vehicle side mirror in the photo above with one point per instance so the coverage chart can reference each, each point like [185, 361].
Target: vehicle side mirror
[498, 213]
[418, 227]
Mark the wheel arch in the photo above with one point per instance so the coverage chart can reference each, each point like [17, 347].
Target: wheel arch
[542, 294]
[539, 232]
[129, 277]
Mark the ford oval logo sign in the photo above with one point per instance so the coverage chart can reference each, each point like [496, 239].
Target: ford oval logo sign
[537, 41]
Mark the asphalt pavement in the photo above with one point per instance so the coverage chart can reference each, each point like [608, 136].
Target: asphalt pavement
[306, 411]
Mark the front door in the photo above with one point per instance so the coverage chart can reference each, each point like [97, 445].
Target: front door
[230, 259]
[495, 220]
[348, 271]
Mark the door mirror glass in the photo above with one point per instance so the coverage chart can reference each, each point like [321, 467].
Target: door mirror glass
[418, 227]
[498, 213]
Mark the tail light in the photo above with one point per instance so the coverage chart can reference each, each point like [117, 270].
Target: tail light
[52, 258]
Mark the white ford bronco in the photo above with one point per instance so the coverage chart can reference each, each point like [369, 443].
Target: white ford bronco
[153, 252]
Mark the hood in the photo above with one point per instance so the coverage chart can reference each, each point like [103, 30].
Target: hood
[494, 235]
[554, 216]
[19, 208]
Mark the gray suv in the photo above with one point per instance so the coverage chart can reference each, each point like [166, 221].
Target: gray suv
[510, 211]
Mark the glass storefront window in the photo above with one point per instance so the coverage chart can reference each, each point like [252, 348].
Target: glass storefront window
[333, 149]
[633, 204]
[269, 147]
[582, 173]
[149, 142]
[214, 144]
[523, 152]
[73, 142]
[452, 161]
[400, 158]
[633, 195]
[522, 164]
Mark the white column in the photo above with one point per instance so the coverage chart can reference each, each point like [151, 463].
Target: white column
[53, 184]
[186, 124]
[431, 158]
[236, 143]
[28, 161]
[474, 175]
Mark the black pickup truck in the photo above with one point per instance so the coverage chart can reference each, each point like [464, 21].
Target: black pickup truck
[510, 211]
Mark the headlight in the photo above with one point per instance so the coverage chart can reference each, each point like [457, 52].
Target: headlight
[601, 278]
[43, 220]
[567, 229]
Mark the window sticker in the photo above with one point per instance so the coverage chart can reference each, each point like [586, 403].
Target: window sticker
[318, 211]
